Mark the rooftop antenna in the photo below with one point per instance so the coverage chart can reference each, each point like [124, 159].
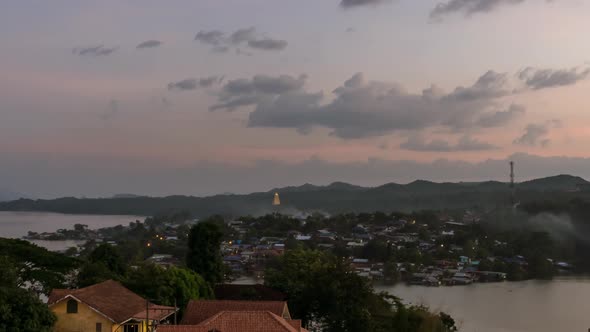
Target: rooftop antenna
[512, 195]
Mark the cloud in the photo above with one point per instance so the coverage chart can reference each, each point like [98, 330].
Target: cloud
[469, 7]
[193, 83]
[186, 84]
[248, 36]
[537, 79]
[465, 143]
[244, 92]
[242, 52]
[94, 51]
[211, 37]
[268, 44]
[220, 49]
[501, 118]
[359, 3]
[489, 85]
[209, 81]
[350, 29]
[362, 109]
[243, 35]
[149, 44]
[535, 134]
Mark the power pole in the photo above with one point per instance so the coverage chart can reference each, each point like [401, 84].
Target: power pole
[512, 188]
[175, 311]
[147, 315]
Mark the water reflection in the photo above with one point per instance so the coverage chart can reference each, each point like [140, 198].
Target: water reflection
[528, 306]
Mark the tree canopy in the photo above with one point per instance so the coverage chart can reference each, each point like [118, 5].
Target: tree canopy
[328, 295]
[20, 309]
[167, 285]
[41, 269]
[204, 252]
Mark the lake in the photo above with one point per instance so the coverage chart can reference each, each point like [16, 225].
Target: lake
[17, 224]
[527, 306]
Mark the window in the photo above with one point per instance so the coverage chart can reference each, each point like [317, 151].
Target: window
[131, 328]
[98, 327]
[72, 307]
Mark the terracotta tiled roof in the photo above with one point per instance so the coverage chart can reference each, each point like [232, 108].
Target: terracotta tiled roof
[57, 294]
[239, 321]
[199, 310]
[247, 292]
[109, 298]
[156, 312]
[296, 323]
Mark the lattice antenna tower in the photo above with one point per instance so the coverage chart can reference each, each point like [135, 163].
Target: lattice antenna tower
[512, 187]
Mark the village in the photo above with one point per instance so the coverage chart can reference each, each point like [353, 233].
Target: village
[430, 249]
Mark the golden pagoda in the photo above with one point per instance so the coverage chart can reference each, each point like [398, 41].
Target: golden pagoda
[276, 200]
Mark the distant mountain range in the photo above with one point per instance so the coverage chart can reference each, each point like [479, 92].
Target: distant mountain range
[333, 198]
[7, 195]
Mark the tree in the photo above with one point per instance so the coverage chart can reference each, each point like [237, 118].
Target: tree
[168, 286]
[37, 267]
[328, 295]
[93, 273]
[110, 257]
[322, 290]
[104, 263]
[204, 253]
[21, 309]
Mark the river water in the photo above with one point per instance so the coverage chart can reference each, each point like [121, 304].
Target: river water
[17, 224]
[560, 305]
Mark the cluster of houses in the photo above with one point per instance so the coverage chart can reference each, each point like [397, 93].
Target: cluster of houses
[452, 273]
[250, 258]
[108, 306]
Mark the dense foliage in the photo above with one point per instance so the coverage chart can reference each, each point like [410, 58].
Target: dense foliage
[204, 253]
[168, 286]
[20, 309]
[43, 270]
[327, 295]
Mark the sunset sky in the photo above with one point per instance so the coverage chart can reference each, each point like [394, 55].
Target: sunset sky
[205, 97]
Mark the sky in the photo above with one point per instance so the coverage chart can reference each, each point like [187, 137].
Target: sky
[207, 97]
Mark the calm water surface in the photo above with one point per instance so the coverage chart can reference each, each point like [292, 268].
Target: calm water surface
[17, 224]
[561, 305]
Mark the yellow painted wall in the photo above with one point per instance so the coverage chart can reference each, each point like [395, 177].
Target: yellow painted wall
[83, 321]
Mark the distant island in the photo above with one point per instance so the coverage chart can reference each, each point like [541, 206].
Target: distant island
[337, 197]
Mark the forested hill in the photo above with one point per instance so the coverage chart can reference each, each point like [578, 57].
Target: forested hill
[337, 197]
